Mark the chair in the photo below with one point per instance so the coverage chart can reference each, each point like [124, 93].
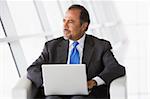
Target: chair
[25, 90]
[118, 88]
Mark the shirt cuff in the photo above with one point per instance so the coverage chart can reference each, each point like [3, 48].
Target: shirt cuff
[98, 80]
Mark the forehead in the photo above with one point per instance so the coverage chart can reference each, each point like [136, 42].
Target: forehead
[72, 14]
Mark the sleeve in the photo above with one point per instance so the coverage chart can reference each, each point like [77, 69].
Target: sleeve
[112, 69]
[99, 81]
[34, 72]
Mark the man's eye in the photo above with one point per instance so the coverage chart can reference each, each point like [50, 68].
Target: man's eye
[64, 20]
[70, 21]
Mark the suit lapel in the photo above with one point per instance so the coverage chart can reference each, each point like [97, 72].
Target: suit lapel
[62, 52]
[88, 50]
[63, 47]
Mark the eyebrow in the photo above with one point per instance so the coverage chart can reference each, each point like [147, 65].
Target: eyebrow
[68, 20]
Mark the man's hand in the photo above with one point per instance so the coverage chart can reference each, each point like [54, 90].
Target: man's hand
[91, 84]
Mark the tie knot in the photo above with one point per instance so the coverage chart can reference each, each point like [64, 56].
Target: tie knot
[75, 44]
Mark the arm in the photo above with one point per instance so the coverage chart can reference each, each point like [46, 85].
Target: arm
[112, 69]
[35, 71]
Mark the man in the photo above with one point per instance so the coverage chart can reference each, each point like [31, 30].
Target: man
[96, 53]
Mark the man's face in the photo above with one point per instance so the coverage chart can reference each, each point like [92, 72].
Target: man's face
[72, 28]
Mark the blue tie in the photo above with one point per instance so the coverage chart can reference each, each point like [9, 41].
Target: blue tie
[74, 56]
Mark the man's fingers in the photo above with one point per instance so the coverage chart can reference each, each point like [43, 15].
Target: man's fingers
[91, 84]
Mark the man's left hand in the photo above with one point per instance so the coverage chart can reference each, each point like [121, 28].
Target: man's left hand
[91, 84]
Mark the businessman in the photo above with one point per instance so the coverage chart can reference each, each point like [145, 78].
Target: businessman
[76, 47]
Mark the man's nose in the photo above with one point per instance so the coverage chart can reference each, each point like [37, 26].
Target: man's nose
[65, 25]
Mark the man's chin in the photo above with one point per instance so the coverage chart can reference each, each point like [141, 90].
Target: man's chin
[66, 37]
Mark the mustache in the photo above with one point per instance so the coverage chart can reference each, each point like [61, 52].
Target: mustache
[66, 30]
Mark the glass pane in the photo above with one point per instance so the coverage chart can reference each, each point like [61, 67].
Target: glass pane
[8, 72]
[32, 48]
[55, 17]
[2, 35]
[148, 62]
[25, 17]
[64, 5]
[127, 11]
[135, 18]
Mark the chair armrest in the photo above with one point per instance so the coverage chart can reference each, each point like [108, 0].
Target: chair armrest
[118, 88]
[24, 89]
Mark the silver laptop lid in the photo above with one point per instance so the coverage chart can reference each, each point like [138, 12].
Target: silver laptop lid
[65, 79]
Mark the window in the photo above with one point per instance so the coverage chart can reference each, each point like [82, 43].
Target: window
[32, 48]
[55, 17]
[25, 17]
[28, 28]
[2, 35]
[8, 72]
[135, 19]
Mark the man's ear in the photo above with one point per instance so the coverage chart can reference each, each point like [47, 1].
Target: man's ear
[84, 26]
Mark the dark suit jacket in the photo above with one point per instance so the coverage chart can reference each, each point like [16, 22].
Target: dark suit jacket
[97, 56]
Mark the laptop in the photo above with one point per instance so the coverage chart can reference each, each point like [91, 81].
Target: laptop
[64, 79]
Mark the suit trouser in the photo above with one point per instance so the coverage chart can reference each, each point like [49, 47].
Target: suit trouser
[95, 94]
[72, 97]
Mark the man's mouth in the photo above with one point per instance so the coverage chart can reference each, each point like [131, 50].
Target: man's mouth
[66, 30]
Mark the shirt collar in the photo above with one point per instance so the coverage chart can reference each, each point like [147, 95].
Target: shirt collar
[80, 41]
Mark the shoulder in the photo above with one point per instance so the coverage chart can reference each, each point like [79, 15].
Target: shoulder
[54, 41]
[99, 42]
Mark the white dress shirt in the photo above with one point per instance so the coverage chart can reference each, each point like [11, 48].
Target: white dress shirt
[80, 47]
